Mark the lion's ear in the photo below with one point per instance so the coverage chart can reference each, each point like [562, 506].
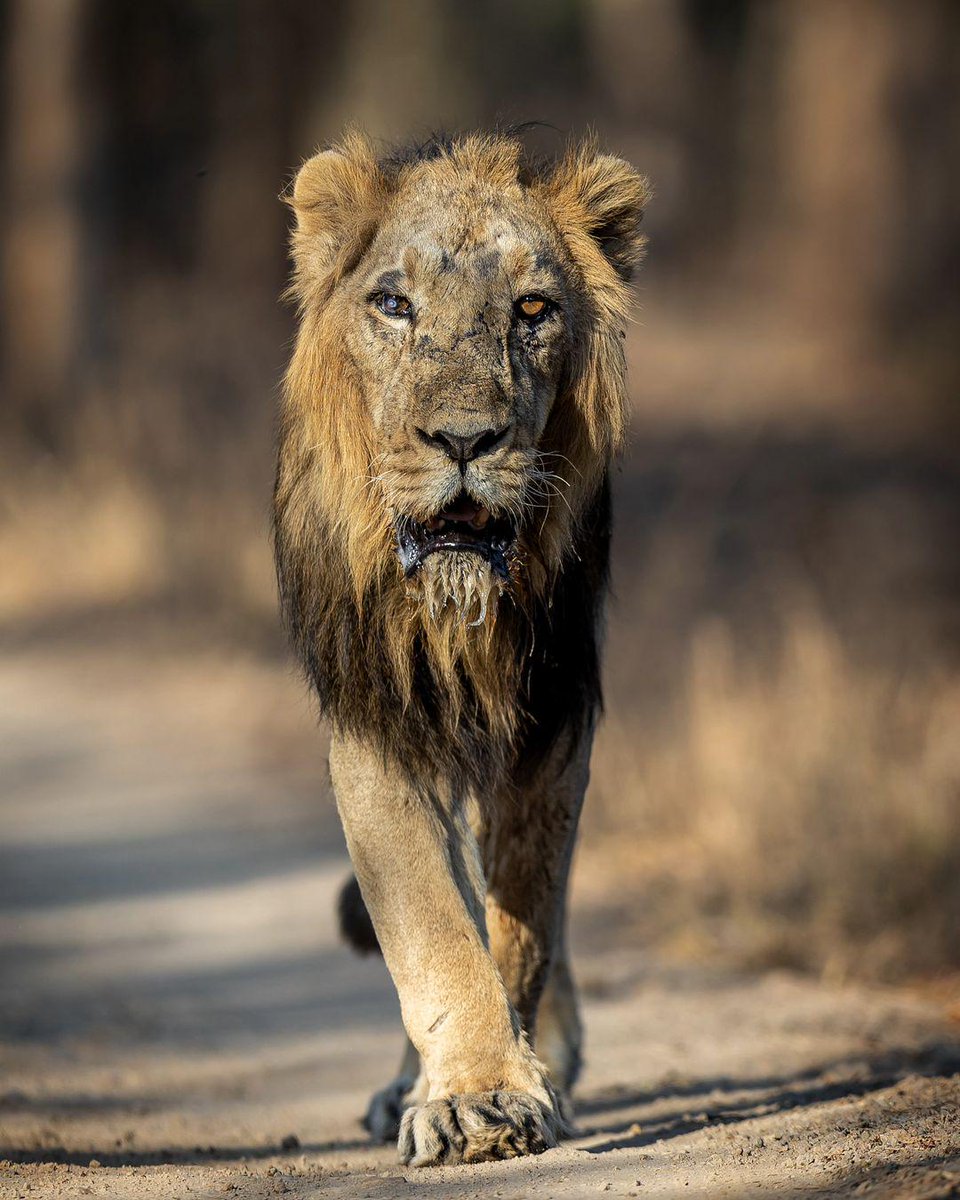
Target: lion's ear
[337, 197]
[602, 196]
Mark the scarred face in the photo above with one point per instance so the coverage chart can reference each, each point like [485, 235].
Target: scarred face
[462, 313]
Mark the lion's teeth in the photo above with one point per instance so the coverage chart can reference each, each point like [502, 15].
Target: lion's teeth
[481, 518]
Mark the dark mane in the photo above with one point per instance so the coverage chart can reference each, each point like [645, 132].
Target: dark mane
[556, 645]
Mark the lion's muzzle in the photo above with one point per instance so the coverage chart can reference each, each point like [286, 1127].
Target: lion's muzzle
[462, 525]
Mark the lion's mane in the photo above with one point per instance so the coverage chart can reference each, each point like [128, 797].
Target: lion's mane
[439, 697]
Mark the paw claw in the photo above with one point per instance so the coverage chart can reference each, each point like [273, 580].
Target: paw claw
[477, 1128]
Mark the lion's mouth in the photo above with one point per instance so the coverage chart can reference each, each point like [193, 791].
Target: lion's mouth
[463, 524]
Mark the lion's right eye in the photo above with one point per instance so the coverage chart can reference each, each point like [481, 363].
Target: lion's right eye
[394, 306]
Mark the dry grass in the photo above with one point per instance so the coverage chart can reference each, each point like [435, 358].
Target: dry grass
[805, 814]
[778, 778]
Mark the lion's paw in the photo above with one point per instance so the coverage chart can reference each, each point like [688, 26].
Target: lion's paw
[476, 1128]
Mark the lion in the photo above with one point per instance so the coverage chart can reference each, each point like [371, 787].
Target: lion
[452, 407]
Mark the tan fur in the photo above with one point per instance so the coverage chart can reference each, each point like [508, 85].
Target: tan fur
[443, 687]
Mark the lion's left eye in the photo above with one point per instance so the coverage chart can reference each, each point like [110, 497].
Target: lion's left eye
[532, 308]
[394, 306]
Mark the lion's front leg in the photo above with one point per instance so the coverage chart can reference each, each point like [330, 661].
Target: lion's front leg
[527, 849]
[418, 866]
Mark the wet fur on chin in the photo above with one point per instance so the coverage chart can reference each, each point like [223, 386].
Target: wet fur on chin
[458, 587]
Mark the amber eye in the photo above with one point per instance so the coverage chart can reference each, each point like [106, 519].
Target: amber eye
[532, 308]
[394, 306]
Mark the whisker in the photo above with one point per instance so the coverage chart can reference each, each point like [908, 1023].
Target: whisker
[556, 454]
[552, 475]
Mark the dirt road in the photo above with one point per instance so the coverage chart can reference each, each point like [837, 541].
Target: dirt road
[177, 1018]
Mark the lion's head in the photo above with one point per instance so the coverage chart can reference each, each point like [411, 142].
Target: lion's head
[457, 388]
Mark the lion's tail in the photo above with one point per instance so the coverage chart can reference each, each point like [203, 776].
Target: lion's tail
[356, 928]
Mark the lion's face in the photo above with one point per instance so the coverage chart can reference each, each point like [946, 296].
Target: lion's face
[476, 307]
[459, 323]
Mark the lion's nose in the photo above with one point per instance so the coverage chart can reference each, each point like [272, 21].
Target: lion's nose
[464, 447]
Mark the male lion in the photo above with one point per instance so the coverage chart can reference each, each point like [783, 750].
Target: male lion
[442, 513]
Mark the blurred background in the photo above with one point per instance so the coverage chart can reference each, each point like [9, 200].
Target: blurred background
[778, 778]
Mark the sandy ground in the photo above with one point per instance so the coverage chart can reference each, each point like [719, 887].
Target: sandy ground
[177, 1018]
